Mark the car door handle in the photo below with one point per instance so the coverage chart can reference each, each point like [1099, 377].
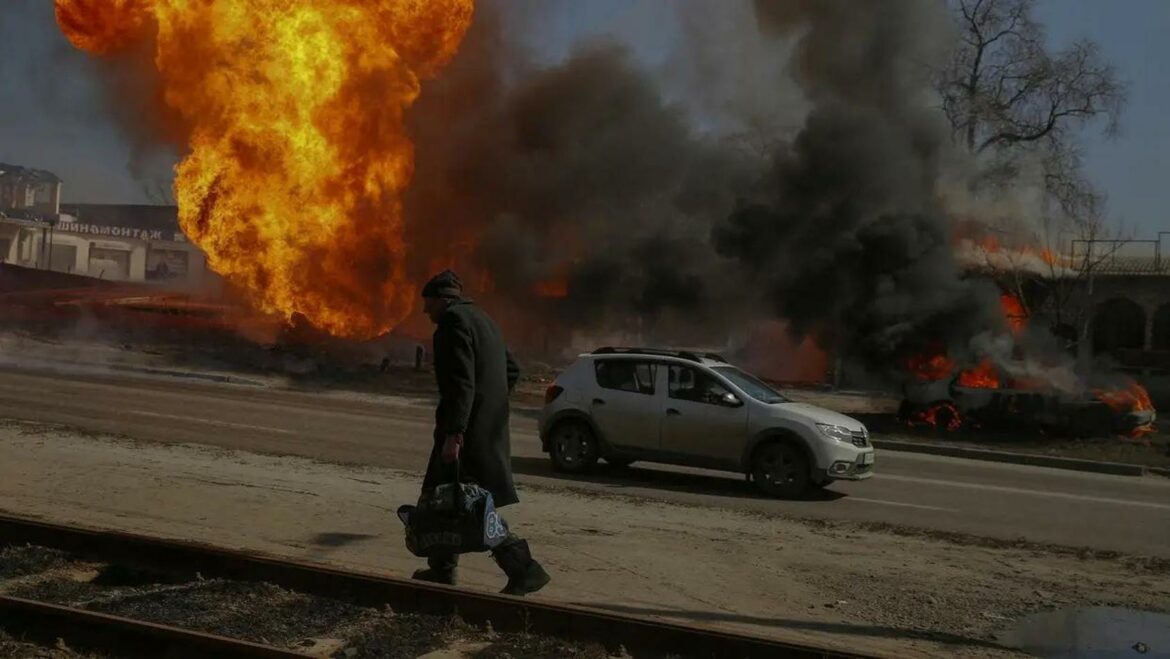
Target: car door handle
[598, 401]
[670, 411]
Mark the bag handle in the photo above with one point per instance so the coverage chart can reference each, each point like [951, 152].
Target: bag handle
[457, 497]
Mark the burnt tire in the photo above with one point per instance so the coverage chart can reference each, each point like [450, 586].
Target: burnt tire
[572, 447]
[781, 469]
[946, 420]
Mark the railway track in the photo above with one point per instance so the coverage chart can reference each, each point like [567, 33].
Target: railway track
[122, 636]
[46, 623]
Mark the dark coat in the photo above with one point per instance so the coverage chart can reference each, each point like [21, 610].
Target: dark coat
[475, 373]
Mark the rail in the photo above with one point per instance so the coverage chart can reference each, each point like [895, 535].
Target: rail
[640, 636]
[123, 637]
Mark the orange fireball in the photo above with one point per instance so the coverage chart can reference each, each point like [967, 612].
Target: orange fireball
[102, 27]
[298, 156]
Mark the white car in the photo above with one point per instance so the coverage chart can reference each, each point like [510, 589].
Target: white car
[695, 409]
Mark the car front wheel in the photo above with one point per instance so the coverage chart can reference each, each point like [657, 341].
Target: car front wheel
[572, 447]
[781, 469]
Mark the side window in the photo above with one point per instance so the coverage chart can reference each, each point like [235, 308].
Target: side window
[626, 375]
[686, 383]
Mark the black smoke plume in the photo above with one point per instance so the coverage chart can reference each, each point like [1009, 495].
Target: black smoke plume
[849, 232]
[581, 172]
[586, 170]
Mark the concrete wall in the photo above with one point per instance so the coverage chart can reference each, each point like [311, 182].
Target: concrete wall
[1150, 292]
[1149, 364]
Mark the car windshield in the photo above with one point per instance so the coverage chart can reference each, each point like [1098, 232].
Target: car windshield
[750, 384]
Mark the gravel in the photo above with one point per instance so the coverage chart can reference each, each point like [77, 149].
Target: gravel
[25, 560]
[258, 612]
[12, 648]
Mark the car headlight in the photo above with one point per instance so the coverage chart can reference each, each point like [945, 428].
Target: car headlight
[839, 433]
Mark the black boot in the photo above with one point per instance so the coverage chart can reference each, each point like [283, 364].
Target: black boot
[525, 575]
[435, 576]
[441, 569]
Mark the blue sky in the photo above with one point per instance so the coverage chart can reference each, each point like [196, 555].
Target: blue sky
[1134, 168]
[76, 142]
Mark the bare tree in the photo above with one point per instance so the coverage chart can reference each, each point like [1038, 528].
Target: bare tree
[1008, 99]
[1012, 102]
[1003, 89]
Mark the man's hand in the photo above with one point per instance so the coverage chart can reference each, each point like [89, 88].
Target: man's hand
[451, 446]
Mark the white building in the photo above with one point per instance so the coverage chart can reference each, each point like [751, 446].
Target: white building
[112, 242]
[115, 242]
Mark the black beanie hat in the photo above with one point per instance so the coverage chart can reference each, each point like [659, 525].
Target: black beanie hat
[444, 284]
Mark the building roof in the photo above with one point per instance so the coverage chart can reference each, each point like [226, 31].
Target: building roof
[28, 214]
[137, 216]
[1134, 265]
[27, 174]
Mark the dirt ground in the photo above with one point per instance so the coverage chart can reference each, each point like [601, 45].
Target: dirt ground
[888, 591]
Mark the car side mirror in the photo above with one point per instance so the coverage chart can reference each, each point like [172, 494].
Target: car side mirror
[729, 399]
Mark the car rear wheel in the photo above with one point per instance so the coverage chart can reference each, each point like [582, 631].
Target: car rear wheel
[572, 447]
[781, 469]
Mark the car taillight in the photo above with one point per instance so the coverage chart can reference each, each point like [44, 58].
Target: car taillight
[551, 393]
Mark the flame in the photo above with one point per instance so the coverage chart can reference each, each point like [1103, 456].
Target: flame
[944, 413]
[297, 156]
[1127, 400]
[977, 247]
[930, 366]
[983, 376]
[1133, 398]
[102, 27]
[1014, 312]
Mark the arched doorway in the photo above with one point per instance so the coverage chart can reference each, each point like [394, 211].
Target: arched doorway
[1162, 328]
[1119, 324]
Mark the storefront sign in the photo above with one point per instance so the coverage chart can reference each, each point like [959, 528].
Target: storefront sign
[117, 232]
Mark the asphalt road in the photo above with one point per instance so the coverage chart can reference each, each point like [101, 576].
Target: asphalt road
[1010, 502]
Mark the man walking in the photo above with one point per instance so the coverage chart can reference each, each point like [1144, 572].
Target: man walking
[475, 374]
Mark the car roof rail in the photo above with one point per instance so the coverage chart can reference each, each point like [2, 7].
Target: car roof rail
[660, 352]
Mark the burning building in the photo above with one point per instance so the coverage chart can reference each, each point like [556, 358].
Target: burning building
[1071, 361]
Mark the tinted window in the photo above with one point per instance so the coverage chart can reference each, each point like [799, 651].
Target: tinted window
[627, 375]
[750, 384]
[691, 384]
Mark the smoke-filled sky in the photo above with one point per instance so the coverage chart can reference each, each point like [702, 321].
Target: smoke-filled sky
[51, 120]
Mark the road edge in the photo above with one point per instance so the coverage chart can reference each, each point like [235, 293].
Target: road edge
[1030, 459]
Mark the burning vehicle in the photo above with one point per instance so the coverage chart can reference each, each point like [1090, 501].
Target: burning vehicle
[1018, 390]
[1018, 394]
[985, 398]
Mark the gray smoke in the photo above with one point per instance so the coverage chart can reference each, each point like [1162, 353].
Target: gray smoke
[58, 103]
[581, 171]
[589, 168]
[848, 233]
